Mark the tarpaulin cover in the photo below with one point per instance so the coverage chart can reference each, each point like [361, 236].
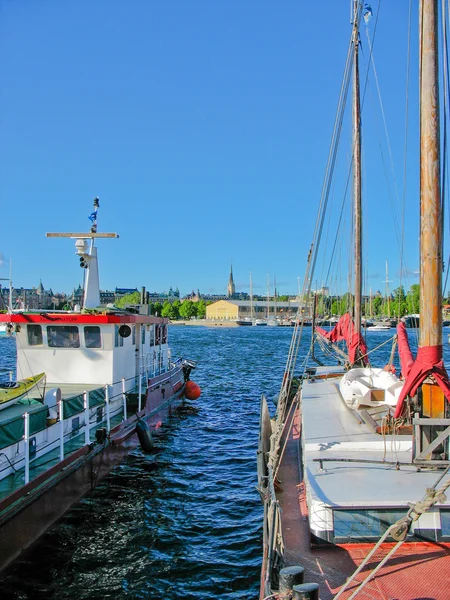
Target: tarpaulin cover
[344, 330]
[12, 423]
[75, 405]
[428, 361]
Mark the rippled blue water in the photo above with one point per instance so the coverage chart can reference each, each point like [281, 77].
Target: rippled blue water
[186, 521]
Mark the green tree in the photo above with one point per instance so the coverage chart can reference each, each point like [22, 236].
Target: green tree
[133, 298]
[201, 309]
[170, 311]
[188, 309]
[413, 298]
[399, 305]
[157, 309]
[377, 305]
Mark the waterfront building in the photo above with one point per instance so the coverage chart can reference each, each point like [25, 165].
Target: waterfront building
[245, 309]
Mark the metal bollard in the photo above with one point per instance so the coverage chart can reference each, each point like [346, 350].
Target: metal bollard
[289, 577]
[306, 591]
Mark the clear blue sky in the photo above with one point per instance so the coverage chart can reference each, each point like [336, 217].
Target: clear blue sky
[202, 125]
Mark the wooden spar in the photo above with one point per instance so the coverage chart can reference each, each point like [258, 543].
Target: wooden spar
[430, 194]
[357, 173]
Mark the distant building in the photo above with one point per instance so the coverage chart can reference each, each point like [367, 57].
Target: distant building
[231, 289]
[29, 298]
[244, 309]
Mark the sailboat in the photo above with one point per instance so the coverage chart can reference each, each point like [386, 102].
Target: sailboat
[354, 469]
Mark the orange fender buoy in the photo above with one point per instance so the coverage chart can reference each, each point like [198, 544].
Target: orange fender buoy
[192, 391]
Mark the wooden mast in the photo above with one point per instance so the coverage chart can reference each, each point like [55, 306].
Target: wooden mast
[430, 179]
[356, 117]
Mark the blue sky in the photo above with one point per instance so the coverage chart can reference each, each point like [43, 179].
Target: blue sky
[203, 126]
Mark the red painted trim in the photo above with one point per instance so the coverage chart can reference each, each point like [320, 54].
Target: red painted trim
[78, 318]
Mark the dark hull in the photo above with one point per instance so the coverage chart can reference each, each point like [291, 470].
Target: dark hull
[29, 511]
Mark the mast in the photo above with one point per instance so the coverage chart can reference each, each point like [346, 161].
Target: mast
[88, 257]
[430, 194]
[356, 117]
[274, 297]
[388, 296]
[251, 297]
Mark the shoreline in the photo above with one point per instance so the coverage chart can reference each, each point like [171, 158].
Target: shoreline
[206, 323]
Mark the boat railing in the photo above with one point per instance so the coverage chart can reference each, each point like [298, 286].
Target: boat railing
[100, 409]
[84, 412]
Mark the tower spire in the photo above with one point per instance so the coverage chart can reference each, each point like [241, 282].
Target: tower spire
[231, 290]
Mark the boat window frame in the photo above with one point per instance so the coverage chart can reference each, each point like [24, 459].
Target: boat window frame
[375, 516]
[118, 339]
[152, 334]
[37, 327]
[61, 339]
[98, 339]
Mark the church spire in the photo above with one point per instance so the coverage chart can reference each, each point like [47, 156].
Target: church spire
[231, 290]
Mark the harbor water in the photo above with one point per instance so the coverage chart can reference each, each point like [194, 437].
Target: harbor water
[184, 522]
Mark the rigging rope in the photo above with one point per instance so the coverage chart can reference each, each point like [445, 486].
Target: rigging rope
[399, 531]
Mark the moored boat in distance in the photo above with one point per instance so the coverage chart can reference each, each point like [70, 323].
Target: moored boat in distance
[354, 469]
[110, 382]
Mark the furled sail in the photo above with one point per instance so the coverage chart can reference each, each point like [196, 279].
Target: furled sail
[345, 330]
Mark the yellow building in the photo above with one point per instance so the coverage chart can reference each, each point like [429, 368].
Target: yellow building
[223, 309]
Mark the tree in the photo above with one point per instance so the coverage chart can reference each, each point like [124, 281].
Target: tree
[377, 304]
[133, 298]
[399, 304]
[188, 309]
[156, 309]
[413, 299]
[201, 309]
[170, 310]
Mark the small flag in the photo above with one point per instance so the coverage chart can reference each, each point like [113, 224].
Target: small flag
[367, 13]
[93, 216]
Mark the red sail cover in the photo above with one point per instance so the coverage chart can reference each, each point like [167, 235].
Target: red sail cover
[428, 361]
[406, 357]
[344, 330]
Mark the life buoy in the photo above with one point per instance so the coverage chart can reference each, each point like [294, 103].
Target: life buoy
[144, 436]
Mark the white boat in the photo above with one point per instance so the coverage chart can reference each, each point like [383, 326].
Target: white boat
[260, 322]
[354, 469]
[110, 384]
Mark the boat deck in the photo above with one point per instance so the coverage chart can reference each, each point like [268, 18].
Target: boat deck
[326, 428]
[330, 430]
[411, 569]
[42, 464]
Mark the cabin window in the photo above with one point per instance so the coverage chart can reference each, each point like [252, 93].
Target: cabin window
[92, 336]
[133, 335]
[152, 335]
[164, 334]
[63, 336]
[118, 339]
[34, 333]
[157, 335]
[364, 524]
[142, 334]
[445, 522]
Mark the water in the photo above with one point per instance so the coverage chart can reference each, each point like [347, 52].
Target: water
[186, 521]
